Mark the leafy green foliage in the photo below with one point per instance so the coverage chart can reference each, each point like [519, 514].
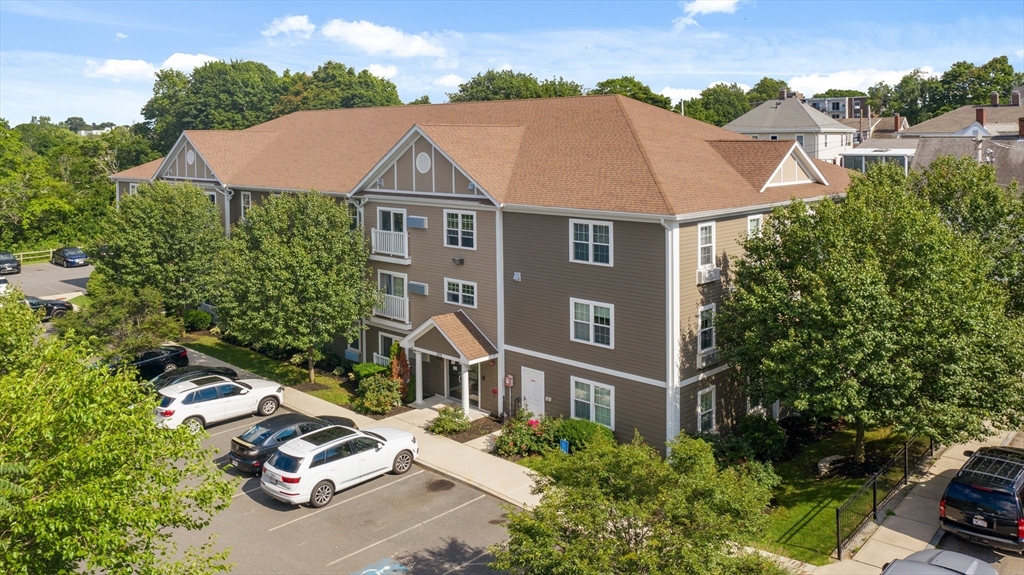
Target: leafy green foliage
[334, 85]
[766, 89]
[90, 483]
[424, 99]
[580, 432]
[196, 320]
[874, 311]
[560, 88]
[377, 394]
[524, 435]
[614, 509]
[367, 369]
[718, 104]
[296, 276]
[168, 237]
[632, 88]
[449, 421]
[836, 93]
[121, 321]
[764, 435]
[497, 85]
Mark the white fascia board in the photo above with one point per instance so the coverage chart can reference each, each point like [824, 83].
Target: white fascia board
[177, 145]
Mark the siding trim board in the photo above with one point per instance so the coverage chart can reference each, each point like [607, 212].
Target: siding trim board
[673, 338]
[704, 375]
[581, 365]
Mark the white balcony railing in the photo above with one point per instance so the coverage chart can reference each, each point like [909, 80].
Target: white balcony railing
[394, 307]
[381, 360]
[390, 243]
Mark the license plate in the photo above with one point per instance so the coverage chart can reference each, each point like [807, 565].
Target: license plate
[980, 522]
[271, 478]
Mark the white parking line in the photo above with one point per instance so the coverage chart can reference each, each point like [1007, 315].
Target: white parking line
[422, 523]
[243, 492]
[484, 554]
[345, 501]
[247, 425]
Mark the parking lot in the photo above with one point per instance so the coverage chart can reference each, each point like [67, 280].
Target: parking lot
[46, 280]
[420, 522]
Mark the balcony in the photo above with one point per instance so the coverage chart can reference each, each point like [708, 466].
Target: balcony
[394, 307]
[381, 360]
[390, 243]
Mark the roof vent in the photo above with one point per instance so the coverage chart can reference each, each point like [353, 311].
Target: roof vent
[423, 162]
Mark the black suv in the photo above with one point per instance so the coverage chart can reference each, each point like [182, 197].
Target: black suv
[983, 501]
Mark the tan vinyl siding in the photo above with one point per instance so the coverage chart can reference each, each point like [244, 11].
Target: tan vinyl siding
[437, 343]
[730, 402]
[177, 165]
[539, 315]
[637, 406]
[423, 182]
[443, 174]
[403, 170]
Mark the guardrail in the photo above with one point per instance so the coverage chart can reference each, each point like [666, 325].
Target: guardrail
[864, 504]
[33, 257]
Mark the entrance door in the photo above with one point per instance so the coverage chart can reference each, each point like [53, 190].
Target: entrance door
[455, 384]
[533, 391]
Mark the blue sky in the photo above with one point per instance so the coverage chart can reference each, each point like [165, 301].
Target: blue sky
[96, 59]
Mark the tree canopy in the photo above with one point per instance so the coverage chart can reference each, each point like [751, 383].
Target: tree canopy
[334, 85]
[166, 236]
[497, 85]
[836, 93]
[632, 88]
[88, 483]
[622, 509]
[766, 89]
[296, 275]
[873, 310]
[718, 104]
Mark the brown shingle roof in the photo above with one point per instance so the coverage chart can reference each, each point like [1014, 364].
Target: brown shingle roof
[464, 335]
[607, 153]
[140, 172]
[964, 116]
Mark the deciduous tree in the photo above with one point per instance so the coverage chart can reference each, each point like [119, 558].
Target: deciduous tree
[297, 275]
[497, 85]
[766, 89]
[718, 104]
[334, 85]
[632, 88]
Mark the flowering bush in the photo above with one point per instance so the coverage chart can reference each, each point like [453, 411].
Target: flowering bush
[525, 435]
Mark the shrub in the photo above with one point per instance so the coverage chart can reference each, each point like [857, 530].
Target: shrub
[377, 394]
[367, 369]
[449, 421]
[525, 435]
[764, 435]
[580, 432]
[197, 320]
[729, 449]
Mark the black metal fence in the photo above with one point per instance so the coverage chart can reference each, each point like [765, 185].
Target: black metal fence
[864, 504]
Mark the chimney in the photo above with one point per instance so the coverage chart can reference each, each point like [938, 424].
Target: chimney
[979, 115]
[896, 123]
[1015, 99]
[1020, 128]
[994, 98]
[783, 94]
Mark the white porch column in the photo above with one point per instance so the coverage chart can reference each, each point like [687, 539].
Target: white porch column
[419, 377]
[464, 380]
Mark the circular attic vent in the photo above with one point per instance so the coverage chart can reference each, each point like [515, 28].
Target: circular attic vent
[423, 162]
[190, 157]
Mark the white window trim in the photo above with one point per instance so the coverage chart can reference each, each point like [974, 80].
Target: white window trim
[133, 188]
[759, 218]
[572, 322]
[405, 218]
[713, 253]
[592, 384]
[476, 292]
[714, 342]
[405, 280]
[246, 203]
[359, 340]
[212, 196]
[773, 136]
[714, 422]
[476, 228]
[800, 139]
[591, 224]
[380, 343]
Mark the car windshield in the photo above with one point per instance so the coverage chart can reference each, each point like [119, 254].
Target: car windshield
[256, 434]
[8, 258]
[74, 252]
[970, 498]
[166, 401]
[285, 462]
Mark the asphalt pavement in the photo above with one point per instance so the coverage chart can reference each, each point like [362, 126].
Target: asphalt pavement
[46, 280]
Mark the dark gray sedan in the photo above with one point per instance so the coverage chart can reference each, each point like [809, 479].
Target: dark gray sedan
[253, 448]
[9, 264]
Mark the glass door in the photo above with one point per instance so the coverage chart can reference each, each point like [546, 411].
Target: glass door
[455, 384]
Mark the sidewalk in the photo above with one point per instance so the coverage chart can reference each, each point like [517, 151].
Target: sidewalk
[914, 524]
[494, 475]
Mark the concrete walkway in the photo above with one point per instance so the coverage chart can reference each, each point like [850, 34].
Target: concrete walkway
[494, 475]
[914, 524]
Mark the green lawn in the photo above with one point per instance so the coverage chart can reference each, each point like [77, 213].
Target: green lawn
[81, 301]
[280, 371]
[803, 524]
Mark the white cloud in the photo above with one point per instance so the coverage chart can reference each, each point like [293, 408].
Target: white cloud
[449, 81]
[373, 39]
[446, 64]
[186, 62]
[680, 93]
[120, 36]
[850, 79]
[290, 26]
[699, 7]
[383, 71]
[118, 70]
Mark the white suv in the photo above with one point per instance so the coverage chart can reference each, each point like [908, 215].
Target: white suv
[199, 403]
[313, 467]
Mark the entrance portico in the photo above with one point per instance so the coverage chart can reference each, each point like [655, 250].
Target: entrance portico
[454, 338]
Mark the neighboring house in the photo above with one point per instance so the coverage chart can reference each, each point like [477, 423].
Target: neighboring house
[790, 119]
[993, 119]
[564, 255]
[841, 108]
[875, 127]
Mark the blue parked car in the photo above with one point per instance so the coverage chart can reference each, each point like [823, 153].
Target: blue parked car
[69, 257]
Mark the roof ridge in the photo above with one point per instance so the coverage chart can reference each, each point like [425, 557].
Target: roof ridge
[643, 154]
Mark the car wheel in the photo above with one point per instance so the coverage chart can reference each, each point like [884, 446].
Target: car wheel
[193, 424]
[322, 494]
[403, 461]
[170, 367]
[65, 263]
[268, 406]
[57, 313]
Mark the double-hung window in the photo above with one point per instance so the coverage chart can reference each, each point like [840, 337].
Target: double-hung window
[391, 220]
[246, 203]
[591, 242]
[592, 322]
[706, 245]
[460, 292]
[212, 196]
[706, 410]
[706, 333]
[754, 225]
[593, 401]
[132, 188]
[460, 229]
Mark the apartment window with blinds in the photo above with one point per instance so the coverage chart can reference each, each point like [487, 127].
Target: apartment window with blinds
[590, 242]
[706, 245]
[754, 225]
[706, 410]
[246, 203]
[460, 229]
[592, 322]
[593, 401]
[706, 335]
